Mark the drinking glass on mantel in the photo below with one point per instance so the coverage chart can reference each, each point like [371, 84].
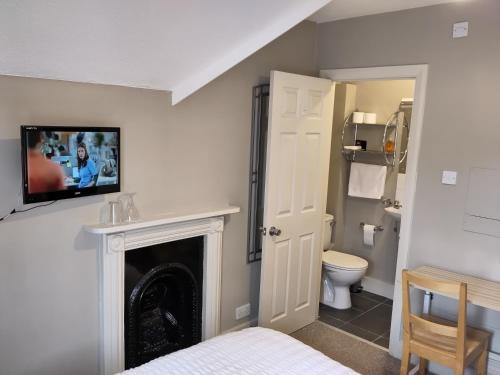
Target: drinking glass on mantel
[130, 211]
[112, 213]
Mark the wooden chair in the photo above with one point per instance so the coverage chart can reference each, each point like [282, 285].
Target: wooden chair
[433, 339]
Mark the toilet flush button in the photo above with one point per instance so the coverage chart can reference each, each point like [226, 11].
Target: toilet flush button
[449, 178]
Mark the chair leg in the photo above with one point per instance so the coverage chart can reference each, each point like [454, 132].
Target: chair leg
[459, 369]
[422, 366]
[405, 359]
[481, 362]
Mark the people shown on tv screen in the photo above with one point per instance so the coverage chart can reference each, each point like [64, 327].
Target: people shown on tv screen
[43, 175]
[86, 167]
[71, 160]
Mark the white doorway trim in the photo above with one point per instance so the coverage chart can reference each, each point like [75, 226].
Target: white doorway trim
[419, 73]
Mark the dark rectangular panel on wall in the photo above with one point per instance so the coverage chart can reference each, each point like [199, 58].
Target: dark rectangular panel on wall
[482, 210]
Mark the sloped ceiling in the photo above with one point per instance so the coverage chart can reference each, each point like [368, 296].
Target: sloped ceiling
[177, 46]
[341, 9]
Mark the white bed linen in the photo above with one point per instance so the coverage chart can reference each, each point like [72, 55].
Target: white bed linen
[250, 351]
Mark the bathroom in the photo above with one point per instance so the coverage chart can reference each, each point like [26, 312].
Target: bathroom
[371, 128]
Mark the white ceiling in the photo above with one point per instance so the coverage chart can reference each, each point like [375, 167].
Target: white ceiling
[340, 9]
[177, 46]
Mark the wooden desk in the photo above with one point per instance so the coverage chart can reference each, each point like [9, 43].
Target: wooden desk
[480, 292]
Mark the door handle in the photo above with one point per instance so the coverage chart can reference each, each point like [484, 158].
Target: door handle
[273, 231]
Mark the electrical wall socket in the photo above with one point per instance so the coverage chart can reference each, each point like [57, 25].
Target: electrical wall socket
[460, 29]
[242, 311]
[449, 178]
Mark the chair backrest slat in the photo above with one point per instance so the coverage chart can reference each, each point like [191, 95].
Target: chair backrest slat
[447, 288]
[432, 327]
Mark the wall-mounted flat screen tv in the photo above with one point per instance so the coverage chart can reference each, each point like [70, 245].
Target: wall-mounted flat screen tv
[62, 162]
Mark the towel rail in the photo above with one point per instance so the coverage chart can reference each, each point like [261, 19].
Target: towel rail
[378, 228]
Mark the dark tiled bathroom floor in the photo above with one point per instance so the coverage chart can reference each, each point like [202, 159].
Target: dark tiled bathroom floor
[368, 318]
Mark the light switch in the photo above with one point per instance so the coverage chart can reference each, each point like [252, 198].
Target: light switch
[460, 29]
[449, 178]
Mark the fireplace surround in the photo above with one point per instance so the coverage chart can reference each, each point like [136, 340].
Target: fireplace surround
[114, 241]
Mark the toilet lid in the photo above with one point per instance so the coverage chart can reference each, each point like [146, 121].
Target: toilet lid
[343, 260]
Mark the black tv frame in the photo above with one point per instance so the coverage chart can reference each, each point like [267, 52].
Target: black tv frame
[65, 194]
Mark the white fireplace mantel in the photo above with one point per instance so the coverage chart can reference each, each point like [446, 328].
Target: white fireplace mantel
[116, 239]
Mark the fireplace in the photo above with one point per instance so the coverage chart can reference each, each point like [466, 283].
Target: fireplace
[163, 299]
[117, 241]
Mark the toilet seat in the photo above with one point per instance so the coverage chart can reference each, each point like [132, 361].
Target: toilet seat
[343, 261]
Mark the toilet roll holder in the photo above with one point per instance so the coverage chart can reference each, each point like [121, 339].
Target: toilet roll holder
[378, 228]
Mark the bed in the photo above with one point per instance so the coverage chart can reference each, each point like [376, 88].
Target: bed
[250, 351]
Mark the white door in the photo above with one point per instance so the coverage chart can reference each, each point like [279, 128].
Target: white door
[298, 149]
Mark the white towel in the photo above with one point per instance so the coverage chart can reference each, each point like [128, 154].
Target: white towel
[367, 180]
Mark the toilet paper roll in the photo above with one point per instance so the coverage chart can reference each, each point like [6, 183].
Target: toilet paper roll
[368, 234]
[370, 118]
[357, 117]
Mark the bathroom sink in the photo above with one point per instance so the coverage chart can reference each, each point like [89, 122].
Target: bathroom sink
[393, 212]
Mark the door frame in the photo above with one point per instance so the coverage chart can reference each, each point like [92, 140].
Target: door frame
[419, 74]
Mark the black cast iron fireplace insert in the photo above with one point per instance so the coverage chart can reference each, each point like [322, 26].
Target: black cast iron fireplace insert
[163, 299]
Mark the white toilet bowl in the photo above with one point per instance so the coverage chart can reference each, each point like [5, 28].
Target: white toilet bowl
[340, 271]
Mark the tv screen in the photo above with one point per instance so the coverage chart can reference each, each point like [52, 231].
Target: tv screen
[65, 162]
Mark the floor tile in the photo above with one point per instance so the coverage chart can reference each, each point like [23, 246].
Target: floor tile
[360, 302]
[344, 315]
[328, 319]
[377, 320]
[382, 341]
[372, 296]
[357, 331]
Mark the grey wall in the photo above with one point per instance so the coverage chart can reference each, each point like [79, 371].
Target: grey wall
[461, 126]
[192, 155]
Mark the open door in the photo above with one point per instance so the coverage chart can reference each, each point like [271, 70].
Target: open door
[298, 149]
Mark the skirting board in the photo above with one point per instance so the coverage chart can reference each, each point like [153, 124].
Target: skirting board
[239, 327]
[377, 286]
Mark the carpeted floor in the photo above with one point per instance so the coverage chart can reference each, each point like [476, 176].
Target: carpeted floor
[361, 356]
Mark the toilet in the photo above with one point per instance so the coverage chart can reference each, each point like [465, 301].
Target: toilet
[340, 271]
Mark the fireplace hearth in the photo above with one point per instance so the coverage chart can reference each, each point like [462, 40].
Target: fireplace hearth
[163, 299]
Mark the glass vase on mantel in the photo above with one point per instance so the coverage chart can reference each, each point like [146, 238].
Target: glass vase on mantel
[130, 211]
[112, 213]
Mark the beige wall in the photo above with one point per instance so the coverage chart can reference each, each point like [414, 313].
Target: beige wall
[382, 97]
[461, 128]
[194, 154]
